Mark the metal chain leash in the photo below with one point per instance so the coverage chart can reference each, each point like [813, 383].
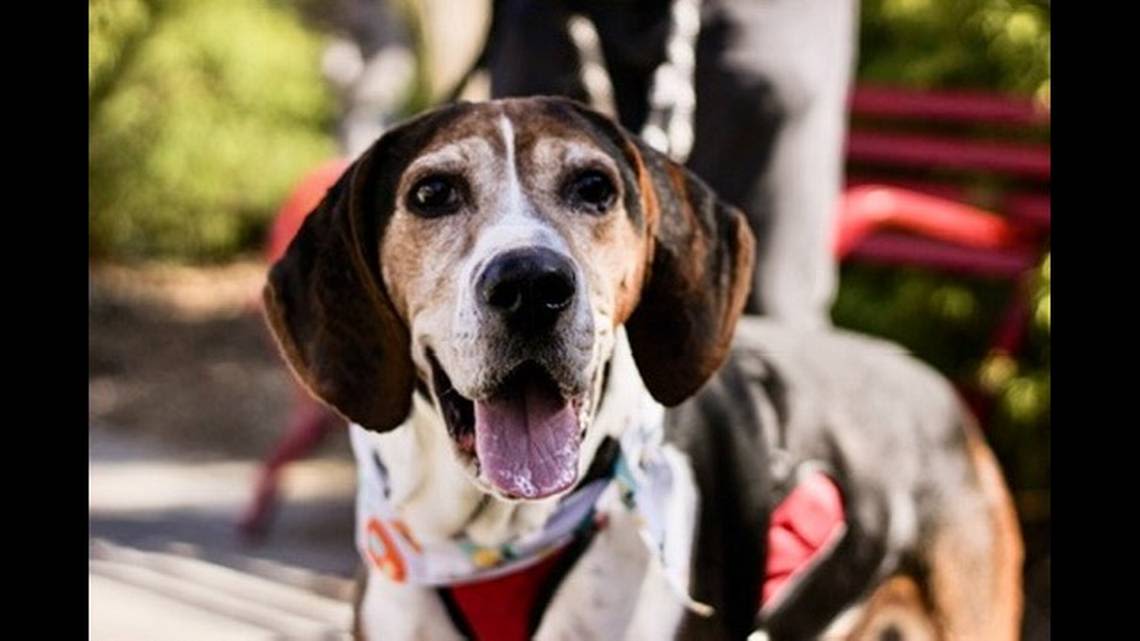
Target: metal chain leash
[672, 98]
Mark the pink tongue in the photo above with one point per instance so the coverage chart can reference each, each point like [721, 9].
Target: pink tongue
[527, 440]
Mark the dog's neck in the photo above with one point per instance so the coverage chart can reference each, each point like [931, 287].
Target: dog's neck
[437, 500]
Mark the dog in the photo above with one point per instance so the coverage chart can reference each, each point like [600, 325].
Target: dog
[564, 429]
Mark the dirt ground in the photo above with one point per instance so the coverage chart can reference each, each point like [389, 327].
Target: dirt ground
[182, 356]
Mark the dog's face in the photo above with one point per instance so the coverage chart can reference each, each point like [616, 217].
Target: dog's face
[487, 253]
[512, 256]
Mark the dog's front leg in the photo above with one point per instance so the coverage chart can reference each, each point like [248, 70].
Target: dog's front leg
[391, 611]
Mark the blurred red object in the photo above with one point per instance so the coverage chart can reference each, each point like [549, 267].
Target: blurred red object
[943, 233]
[808, 522]
[309, 421]
[303, 199]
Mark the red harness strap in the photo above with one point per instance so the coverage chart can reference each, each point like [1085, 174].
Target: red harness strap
[500, 609]
[802, 526]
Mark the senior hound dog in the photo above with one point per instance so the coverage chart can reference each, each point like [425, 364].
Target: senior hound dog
[562, 431]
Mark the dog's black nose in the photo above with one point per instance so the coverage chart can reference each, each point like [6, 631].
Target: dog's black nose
[528, 287]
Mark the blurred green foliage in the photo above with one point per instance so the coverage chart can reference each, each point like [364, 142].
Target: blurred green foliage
[1000, 45]
[202, 114]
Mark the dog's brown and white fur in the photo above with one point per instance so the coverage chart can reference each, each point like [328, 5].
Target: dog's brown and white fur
[379, 309]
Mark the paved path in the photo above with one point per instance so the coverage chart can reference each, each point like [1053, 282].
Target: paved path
[166, 561]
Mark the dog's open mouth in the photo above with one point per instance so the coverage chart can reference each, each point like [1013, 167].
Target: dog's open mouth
[524, 437]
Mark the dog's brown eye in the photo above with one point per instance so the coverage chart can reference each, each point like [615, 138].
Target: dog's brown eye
[591, 190]
[434, 196]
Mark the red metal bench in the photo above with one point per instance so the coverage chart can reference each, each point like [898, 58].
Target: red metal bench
[912, 160]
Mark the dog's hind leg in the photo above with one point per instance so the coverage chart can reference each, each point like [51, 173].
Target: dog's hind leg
[896, 611]
[975, 559]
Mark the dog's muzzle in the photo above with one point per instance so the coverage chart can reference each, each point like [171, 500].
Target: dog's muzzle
[523, 431]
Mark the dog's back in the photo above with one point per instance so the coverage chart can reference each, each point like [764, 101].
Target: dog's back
[923, 496]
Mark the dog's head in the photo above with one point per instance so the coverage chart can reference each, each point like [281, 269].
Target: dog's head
[487, 254]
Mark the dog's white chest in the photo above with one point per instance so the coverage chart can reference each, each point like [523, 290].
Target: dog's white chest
[616, 586]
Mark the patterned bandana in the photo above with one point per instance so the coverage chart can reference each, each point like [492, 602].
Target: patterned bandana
[650, 478]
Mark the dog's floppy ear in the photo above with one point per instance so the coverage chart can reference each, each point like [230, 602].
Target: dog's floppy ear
[325, 299]
[697, 282]
[698, 275]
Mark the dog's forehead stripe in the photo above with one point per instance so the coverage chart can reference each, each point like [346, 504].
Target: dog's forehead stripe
[514, 197]
[507, 131]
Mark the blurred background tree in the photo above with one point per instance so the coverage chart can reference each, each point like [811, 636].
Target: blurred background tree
[998, 45]
[202, 114]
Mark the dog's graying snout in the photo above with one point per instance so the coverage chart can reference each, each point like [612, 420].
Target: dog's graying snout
[528, 287]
